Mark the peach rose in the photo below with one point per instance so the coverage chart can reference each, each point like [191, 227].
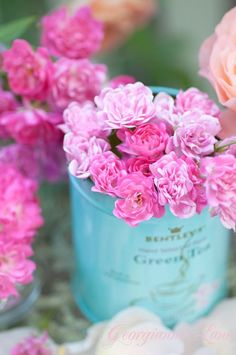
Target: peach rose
[217, 60]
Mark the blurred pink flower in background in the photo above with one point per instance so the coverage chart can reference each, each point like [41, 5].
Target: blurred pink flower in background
[121, 80]
[41, 162]
[29, 126]
[220, 172]
[121, 18]
[20, 213]
[75, 80]
[218, 57]
[29, 73]
[77, 36]
[8, 103]
[126, 106]
[33, 345]
[20, 218]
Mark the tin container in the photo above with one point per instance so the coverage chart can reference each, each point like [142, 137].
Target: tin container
[176, 268]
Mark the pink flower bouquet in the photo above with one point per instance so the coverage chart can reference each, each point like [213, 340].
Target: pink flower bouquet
[152, 153]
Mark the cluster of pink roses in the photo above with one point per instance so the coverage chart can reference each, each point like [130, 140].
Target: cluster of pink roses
[43, 82]
[152, 152]
[20, 217]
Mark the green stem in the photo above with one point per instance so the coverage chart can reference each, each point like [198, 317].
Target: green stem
[223, 147]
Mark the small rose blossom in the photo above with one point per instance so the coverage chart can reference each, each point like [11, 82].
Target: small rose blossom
[106, 169]
[174, 185]
[29, 126]
[121, 80]
[148, 140]
[139, 200]
[82, 119]
[165, 109]
[75, 80]
[139, 164]
[81, 151]
[195, 136]
[75, 37]
[220, 173]
[126, 106]
[195, 100]
[29, 73]
[33, 345]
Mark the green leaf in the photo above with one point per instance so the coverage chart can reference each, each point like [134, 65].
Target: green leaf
[15, 29]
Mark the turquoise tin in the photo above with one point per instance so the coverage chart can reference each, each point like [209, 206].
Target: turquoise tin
[176, 268]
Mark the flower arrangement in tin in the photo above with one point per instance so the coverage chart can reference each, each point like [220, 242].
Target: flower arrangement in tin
[152, 153]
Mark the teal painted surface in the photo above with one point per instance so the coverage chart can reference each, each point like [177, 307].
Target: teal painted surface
[174, 267]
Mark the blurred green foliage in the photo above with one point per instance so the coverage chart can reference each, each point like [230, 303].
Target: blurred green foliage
[21, 9]
[14, 29]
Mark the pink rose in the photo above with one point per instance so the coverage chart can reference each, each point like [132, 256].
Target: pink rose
[126, 106]
[29, 126]
[220, 173]
[148, 140]
[83, 120]
[195, 100]
[29, 73]
[76, 80]
[139, 164]
[121, 80]
[165, 109]
[195, 137]
[174, 185]
[217, 60]
[106, 169]
[139, 200]
[77, 36]
[81, 152]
